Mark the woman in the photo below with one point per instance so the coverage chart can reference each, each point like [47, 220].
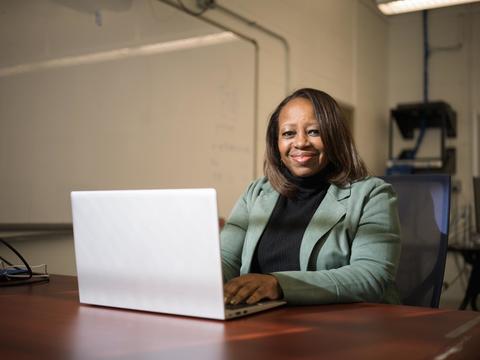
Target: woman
[316, 229]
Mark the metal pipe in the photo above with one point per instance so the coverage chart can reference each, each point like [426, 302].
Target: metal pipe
[267, 31]
[256, 72]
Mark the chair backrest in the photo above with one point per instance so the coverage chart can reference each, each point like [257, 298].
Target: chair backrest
[424, 210]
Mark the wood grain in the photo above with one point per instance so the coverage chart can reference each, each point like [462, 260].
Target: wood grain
[46, 321]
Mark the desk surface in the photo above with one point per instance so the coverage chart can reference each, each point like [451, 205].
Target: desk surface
[46, 321]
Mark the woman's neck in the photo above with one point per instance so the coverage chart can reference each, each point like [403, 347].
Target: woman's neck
[313, 182]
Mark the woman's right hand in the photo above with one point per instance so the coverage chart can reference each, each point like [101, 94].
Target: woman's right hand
[251, 288]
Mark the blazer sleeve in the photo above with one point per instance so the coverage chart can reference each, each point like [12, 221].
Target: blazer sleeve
[370, 274]
[232, 237]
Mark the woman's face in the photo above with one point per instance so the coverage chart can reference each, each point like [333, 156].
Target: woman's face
[299, 143]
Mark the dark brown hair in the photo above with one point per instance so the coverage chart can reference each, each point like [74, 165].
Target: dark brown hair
[344, 162]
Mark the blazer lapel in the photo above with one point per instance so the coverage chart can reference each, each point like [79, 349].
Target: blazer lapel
[330, 211]
[259, 216]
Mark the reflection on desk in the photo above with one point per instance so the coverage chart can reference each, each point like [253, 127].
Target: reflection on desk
[47, 321]
[471, 255]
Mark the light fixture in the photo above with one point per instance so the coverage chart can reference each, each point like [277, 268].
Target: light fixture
[392, 7]
[122, 53]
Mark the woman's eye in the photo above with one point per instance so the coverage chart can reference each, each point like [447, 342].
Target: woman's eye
[288, 134]
[314, 132]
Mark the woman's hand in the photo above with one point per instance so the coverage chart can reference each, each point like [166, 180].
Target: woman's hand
[252, 288]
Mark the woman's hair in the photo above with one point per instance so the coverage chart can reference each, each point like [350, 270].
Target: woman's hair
[344, 164]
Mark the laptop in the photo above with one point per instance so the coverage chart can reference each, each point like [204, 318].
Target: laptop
[152, 250]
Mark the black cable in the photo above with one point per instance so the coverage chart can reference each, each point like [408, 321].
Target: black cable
[29, 270]
[461, 271]
[6, 261]
[426, 57]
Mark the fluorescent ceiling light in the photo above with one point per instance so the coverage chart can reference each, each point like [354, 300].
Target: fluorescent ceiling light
[119, 54]
[392, 7]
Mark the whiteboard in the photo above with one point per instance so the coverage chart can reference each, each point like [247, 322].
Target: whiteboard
[181, 118]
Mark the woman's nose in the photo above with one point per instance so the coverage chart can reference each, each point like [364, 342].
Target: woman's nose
[301, 140]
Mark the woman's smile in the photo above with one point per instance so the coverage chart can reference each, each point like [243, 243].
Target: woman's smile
[304, 157]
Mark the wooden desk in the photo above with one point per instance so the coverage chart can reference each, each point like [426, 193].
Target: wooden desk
[47, 322]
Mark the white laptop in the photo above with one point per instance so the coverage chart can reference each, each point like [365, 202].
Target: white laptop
[152, 250]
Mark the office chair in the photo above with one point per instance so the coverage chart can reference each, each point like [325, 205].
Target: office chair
[424, 209]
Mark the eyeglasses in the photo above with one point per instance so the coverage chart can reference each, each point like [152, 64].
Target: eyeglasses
[20, 274]
[16, 272]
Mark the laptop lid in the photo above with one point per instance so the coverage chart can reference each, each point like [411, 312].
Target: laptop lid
[152, 250]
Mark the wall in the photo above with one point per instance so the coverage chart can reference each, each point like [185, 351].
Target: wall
[370, 85]
[109, 118]
[336, 45]
[454, 35]
[339, 46]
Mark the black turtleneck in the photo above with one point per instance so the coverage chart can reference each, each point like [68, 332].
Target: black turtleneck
[278, 248]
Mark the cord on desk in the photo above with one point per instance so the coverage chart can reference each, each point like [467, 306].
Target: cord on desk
[10, 280]
[30, 273]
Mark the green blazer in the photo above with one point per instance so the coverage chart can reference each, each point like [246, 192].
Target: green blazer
[349, 251]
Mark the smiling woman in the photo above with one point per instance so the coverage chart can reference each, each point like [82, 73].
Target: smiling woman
[316, 229]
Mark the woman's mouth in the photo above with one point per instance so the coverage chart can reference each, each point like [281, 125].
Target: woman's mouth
[302, 158]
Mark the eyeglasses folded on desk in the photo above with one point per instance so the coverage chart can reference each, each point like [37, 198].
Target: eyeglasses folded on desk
[11, 275]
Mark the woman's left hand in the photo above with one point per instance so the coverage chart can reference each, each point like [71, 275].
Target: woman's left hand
[251, 288]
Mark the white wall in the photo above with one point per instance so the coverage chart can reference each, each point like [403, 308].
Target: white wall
[336, 45]
[454, 78]
[370, 128]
